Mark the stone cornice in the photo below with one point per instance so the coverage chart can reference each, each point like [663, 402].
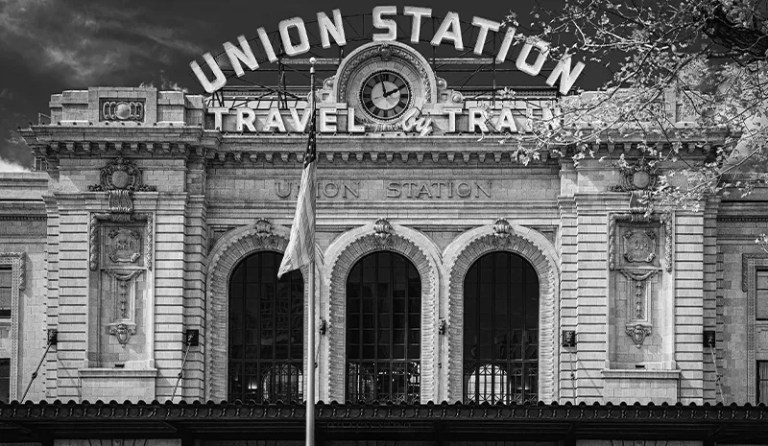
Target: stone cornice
[742, 218]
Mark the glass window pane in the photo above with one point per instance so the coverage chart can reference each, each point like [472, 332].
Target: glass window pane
[761, 294]
[391, 319]
[5, 292]
[500, 330]
[266, 331]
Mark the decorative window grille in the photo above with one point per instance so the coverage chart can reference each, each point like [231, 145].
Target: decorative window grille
[5, 380]
[501, 326]
[761, 294]
[6, 278]
[266, 333]
[384, 330]
[762, 382]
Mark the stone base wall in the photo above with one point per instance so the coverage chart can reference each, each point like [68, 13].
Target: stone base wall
[641, 386]
[117, 384]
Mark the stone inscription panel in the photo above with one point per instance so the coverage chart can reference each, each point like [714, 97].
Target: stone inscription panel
[403, 190]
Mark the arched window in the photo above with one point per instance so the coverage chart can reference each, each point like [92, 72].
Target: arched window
[383, 329]
[266, 332]
[501, 328]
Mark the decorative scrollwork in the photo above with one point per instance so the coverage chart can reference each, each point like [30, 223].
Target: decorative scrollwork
[642, 175]
[120, 178]
[638, 333]
[122, 110]
[18, 264]
[667, 220]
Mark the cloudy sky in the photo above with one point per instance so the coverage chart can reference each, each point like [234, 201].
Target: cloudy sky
[47, 46]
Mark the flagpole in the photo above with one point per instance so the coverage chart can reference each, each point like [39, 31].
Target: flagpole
[310, 428]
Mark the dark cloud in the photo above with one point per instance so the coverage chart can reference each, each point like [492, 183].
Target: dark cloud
[47, 46]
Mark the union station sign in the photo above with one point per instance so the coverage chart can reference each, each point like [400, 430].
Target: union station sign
[386, 85]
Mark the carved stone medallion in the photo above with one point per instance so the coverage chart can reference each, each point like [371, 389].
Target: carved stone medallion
[123, 245]
[639, 245]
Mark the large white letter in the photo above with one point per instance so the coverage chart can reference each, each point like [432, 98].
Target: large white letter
[505, 44]
[245, 118]
[482, 33]
[451, 21]
[327, 120]
[506, 121]
[522, 58]
[563, 71]
[300, 124]
[351, 126]
[218, 120]
[335, 28]
[417, 14]
[209, 86]
[387, 24]
[267, 45]
[477, 118]
[303, 45]
[274, 120]
[242, 54]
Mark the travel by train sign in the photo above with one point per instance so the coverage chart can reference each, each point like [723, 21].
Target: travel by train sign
[530, 56]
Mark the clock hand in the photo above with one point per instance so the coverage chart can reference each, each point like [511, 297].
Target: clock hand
[387, 93]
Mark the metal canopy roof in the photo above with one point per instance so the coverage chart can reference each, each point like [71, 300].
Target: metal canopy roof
[429, 422]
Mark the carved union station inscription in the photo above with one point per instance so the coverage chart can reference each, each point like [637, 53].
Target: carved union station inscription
[390, 190]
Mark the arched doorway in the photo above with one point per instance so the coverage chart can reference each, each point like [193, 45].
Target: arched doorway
[501, 330]
[266, 333]
[383, 329]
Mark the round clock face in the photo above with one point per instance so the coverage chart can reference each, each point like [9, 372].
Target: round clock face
[385, 95]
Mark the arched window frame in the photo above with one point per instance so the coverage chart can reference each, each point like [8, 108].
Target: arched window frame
[232, 247]
[541, 253]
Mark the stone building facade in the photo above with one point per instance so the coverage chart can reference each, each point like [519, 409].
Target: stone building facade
[125, 245]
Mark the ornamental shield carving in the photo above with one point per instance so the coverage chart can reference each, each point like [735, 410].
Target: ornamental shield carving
[122, 246]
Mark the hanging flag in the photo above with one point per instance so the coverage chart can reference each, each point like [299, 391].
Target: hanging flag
[301, 245]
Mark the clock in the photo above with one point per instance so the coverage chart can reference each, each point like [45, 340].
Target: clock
[385, 95]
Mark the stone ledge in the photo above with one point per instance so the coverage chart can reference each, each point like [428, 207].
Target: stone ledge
[640, 374]
[117, 373]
